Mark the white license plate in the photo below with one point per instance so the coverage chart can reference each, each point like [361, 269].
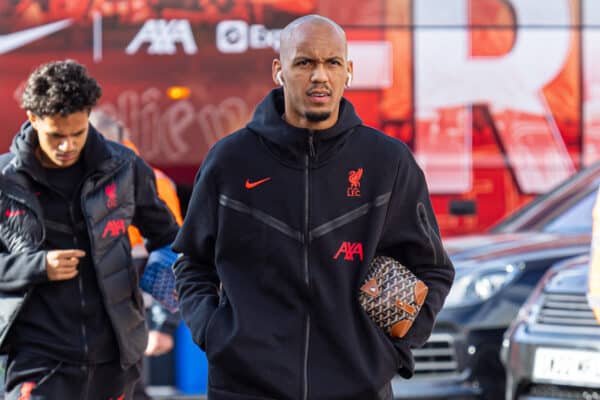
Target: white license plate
[568, 367]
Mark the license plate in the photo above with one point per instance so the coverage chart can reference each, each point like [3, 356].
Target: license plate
[568, 367]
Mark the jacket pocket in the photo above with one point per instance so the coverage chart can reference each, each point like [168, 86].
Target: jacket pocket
[212, 325]
[136, 292]
[384, 339]
[29, 367]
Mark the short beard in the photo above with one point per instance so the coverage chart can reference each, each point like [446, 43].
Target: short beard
[317, 116]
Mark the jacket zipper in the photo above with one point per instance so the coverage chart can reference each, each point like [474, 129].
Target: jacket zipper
[80, 284]
[79, 189]
[311, 145]
[311, 154]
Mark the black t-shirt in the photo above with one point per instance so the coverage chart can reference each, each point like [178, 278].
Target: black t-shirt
[67, 319]
[66, 180]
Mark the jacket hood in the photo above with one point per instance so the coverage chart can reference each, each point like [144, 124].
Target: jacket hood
[23, 148]
[268, 123]
[25, 143]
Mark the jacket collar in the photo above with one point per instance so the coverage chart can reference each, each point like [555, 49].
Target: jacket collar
[291, 142]
[96, 154]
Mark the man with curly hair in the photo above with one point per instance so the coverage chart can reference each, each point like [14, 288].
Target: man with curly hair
[71, 315]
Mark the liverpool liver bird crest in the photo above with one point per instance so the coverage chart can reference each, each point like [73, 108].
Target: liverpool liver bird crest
[354, 179]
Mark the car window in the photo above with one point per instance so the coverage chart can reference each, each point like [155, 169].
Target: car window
[551, 212]
[575, 219]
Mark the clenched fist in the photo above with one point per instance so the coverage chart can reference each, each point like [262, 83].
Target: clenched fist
[62, 264]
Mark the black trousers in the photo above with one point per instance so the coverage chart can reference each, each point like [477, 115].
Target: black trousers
[33, 377]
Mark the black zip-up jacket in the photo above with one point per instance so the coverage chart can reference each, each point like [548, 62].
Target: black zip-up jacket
[119, 190]
[65, 320]
[279, 231]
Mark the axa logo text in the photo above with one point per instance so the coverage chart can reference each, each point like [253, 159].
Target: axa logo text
[163, 36]
[114, 228]
[350, 250]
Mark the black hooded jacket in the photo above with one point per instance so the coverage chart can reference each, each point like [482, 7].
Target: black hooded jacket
[118, 190]
[279, 231]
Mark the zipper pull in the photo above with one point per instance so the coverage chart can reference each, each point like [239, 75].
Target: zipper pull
[311, 145]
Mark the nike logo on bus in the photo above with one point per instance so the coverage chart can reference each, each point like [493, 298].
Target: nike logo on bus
[252, 185]
[12, 41]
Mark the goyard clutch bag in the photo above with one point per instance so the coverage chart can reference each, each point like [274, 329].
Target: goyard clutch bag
[392, 296]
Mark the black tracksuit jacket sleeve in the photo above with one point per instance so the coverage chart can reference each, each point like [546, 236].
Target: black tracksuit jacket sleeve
[21, 271]
[411, 236]
[152, 216]
[195, 274]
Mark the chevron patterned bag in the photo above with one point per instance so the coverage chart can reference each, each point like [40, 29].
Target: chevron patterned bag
[392, 296]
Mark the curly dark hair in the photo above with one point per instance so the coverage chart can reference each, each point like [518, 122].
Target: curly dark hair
[60, 87]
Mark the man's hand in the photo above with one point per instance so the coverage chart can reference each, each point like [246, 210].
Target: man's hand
[158, 343]
[62, 264]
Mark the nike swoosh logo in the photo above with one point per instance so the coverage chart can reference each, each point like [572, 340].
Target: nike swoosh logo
[12, 41]
[252, 185]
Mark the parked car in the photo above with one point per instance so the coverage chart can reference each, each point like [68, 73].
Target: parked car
[495, 273]
[552, 349]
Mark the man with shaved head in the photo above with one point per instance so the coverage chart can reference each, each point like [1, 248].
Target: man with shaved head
[285, 217]
[307, 40]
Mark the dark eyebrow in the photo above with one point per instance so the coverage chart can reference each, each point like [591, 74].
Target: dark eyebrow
[59, 134]
[338, 60]
[307, 58]
[302, 58]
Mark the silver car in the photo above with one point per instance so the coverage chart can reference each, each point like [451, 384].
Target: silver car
[552, 349]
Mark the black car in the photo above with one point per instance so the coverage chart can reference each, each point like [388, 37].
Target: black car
[495, 273]
[552, 349]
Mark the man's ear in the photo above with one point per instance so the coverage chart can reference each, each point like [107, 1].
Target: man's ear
[276, 72]
[32, 118]
[350, 69]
